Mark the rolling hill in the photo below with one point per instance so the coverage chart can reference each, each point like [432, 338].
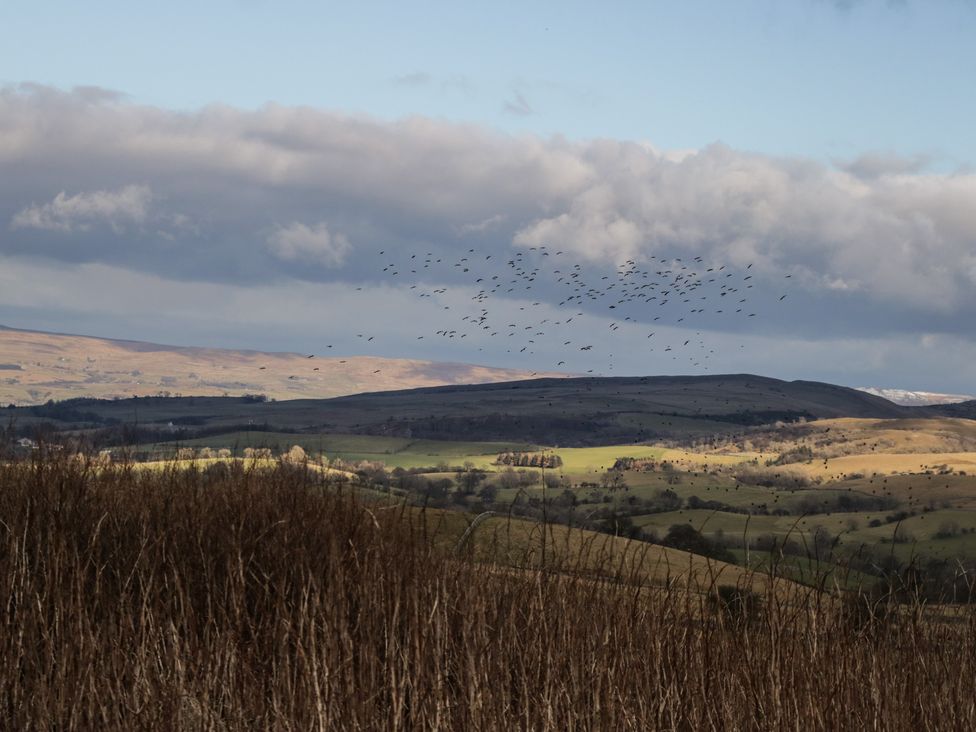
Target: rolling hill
[36, 367]
[599, 410]
[960, 410]
[565, 411]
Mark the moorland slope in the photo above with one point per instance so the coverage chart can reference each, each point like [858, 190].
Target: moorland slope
[36, 367]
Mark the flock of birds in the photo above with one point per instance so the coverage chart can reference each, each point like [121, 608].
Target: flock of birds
[542, 301]
[550, 296]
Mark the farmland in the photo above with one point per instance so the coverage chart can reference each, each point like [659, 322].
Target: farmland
[864, 494]
[902, 491]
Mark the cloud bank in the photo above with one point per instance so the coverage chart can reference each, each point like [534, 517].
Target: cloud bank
[284, 194]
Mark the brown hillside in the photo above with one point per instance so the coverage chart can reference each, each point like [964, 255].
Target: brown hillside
[36, 367]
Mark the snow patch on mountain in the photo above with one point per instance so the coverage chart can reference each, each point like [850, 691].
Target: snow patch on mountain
[915, 398]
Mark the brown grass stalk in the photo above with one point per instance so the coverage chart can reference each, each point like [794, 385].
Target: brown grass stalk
[266, 598]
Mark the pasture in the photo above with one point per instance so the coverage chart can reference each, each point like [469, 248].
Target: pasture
[841, 468]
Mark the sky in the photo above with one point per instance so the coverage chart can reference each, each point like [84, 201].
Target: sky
[227, 173]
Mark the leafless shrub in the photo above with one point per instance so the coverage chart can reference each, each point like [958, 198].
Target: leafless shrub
[258, 598]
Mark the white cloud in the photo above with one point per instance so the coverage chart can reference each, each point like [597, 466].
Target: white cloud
[117, 209]
[876, 235]
[298, 242]
[894, 238]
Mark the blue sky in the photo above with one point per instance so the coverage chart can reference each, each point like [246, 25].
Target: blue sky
[227, 173]
[797, 77]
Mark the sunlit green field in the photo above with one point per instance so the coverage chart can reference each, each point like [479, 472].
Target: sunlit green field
[582, 460]
[581, 463]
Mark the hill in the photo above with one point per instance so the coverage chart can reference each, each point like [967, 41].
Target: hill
[568, 411]
[36, 367]
[598, 410]
[961, 410]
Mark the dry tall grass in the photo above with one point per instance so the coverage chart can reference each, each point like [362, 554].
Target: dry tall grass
[262, 599]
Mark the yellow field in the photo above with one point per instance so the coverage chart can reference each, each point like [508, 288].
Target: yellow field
[840, 468]
[834, 438]
[851, 446]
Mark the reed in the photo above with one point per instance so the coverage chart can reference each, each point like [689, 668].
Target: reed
[267, 598]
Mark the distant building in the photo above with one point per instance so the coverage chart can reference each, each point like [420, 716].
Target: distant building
[27, 443]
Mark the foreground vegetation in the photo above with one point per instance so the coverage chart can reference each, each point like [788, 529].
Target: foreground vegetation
[271, 598]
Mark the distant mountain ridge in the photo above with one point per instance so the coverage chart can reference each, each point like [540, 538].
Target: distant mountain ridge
[909, 398]
[36, 367]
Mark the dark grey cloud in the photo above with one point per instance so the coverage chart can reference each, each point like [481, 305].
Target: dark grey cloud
[877, 247]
